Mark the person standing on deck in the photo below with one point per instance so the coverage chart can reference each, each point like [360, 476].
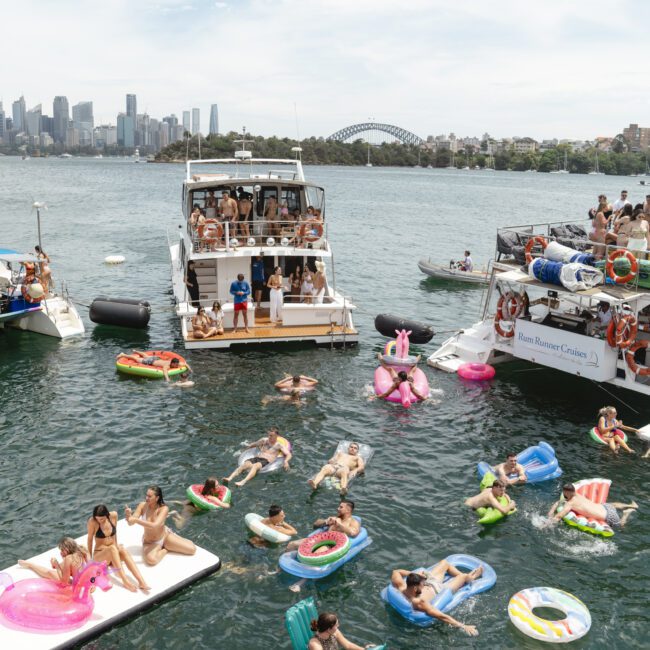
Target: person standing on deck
[240, 290]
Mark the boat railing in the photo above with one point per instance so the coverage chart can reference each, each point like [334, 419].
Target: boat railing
[228, 236]
[569, 234]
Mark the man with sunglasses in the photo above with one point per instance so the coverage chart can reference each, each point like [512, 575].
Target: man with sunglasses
[420, 589]
[343, 465]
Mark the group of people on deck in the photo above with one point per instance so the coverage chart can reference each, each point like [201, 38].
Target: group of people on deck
[620, 224]
[303, 286]
[236, 209]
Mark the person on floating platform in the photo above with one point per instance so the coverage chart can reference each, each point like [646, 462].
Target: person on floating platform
[511, 472]
[276, 521]
[421, 588]
[489, 498]
[269, 449]
[74, 557]
[152, 360]
[578, 503]
[344, 522]
[610, 430]
[399, 377]
[343, 465]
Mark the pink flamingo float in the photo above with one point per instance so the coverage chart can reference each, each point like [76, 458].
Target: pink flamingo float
[48, 605]
[396, 355]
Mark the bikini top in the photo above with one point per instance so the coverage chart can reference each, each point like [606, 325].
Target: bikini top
[100, 532]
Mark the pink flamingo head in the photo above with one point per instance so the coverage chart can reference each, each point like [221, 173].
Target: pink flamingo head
[91, 575]
[405, 394]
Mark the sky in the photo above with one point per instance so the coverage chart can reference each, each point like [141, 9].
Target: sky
[565, 69]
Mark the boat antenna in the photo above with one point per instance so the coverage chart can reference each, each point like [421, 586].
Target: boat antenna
[38, 206]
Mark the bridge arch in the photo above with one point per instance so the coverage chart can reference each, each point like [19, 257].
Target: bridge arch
[404, 136]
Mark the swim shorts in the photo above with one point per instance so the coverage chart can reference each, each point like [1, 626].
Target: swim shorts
[147, 361]
[258, 459]
[258, 285]
[612, 517]
[241, 306]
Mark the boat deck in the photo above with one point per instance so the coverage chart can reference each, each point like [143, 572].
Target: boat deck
[266, 331]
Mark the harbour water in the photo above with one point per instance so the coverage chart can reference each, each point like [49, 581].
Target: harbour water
[74, 433]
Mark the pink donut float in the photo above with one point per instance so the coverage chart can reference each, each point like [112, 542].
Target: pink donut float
[476, 371]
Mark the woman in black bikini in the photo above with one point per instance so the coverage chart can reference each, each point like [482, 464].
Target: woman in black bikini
[102, 532]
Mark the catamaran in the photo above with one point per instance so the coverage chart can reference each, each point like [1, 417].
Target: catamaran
[286, 227]
[561, 324]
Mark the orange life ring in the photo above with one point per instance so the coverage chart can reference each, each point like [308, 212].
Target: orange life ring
[510, 305]
[626, 330]
[29, 280]
[540, 241]
[636, 368]
[213, 231]
[311, 230]
[634, 266]
[611, 333]
[506, 334]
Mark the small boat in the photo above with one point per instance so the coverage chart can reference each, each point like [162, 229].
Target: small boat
[449, 273]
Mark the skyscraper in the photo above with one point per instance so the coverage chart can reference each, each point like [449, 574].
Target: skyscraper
[214, 119]
[33, 120]
[60, 117]
[196, 121]
[125, 131]
[131, 106]
[82, 117]
[19, 113]
[2, 122]
[186, 121]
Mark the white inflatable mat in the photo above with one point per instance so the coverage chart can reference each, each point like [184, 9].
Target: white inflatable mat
[365, 451]
[118, 604]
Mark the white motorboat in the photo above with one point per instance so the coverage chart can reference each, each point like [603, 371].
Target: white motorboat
[221, 249]
[452, 273]
[27, 306]
[554, 326]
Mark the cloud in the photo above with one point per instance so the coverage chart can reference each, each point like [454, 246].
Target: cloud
[432, 66]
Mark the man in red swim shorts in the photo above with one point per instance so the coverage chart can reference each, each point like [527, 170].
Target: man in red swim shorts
[240, 290]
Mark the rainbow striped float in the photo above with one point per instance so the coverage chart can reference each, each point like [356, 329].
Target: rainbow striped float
[575, 625]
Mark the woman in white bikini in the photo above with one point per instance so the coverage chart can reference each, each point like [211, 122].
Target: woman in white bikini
[158, 540]
[307, 288]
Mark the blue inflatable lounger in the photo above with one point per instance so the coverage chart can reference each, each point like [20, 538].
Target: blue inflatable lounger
[445, 601]
[298, 619]
[290, 563]
[539, 463]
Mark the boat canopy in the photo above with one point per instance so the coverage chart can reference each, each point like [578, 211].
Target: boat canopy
[11, 256]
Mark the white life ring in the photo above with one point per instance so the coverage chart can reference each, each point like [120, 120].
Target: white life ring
[575, 625]
[254, 523]
[114, 259]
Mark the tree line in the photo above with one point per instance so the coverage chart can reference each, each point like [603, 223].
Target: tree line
[318, 151]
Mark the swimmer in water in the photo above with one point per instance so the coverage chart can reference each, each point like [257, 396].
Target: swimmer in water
[293, 382]
[184, 381]
[489, 498]
[276, 521]
[511, 472]
[295, 396]
[209, 492]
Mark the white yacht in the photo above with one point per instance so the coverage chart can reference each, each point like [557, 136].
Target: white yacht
[136, 156]
[552, 325]
[221, 250]
[25, 303]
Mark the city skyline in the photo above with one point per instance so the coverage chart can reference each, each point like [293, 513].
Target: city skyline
[428, 66]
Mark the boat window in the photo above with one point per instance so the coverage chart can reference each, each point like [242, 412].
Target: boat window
[315, 197]
[292, 196]
[265, 193]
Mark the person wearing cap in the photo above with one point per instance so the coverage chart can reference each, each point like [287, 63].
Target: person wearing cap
[421, 588]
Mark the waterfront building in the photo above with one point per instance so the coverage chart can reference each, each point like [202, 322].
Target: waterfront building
[125, 131]
[71, 137]
[104, 135]
[186, 121]
[60, 118]
[526, 145]
[196, 121]
[214, 120]
[33, 120]
[83, 121]
[132, 112]
[638, 138]
[19, 112]
[2, 122]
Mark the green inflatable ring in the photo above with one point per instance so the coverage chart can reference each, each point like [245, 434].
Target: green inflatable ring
[203, 504]
[593, 434]
[328, 558]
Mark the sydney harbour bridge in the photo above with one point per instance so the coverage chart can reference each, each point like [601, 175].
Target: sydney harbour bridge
[373, 132]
